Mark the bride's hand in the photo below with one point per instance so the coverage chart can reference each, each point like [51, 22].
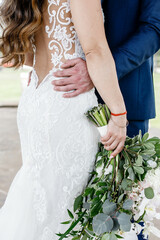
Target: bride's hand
[116, 135]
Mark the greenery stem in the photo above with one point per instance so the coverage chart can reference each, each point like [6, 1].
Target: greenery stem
[72, 226]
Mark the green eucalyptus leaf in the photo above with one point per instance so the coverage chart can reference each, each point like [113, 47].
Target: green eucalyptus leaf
[102, 223]
[145, 137]
[119, 175]
[127, 205]
[109, 207]
[138, 170]
[149, 193]
[120, 198]
[149, 145]
[148, 152]
[116, 225]
[78, 202]
[154, 140]
[135, 148]
[124, 221]
[157, 149]
[126, 184]
[139, 161]
[131, 174]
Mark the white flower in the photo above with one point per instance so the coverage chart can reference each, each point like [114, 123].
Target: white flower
[150, 211]
[146, 233]
[150, 228]
[152, 164]
[141, 208]
[108, 170]
[144, 184]
[157, 216]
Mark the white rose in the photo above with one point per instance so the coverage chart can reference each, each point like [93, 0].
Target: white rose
[152, 164]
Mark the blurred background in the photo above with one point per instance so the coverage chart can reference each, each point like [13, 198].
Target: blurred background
[12, 84]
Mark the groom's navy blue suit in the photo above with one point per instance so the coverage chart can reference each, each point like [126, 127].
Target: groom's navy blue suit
[133, 33]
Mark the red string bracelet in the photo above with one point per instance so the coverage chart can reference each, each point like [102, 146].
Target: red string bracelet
[118, 114]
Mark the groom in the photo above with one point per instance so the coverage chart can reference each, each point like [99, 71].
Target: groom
[133, 33]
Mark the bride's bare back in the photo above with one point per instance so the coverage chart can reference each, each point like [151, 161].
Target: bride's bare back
[57, 40]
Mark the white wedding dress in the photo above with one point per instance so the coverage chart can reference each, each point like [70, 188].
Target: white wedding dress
[58, 143]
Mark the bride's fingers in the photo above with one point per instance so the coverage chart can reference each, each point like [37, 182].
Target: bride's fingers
[118, 149]
[112, 146]
[106, 137]
[109, 142]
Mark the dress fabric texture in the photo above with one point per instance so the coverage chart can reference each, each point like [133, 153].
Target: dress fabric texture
[57, 141]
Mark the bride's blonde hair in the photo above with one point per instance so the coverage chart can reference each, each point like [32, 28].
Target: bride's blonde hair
[19, 21]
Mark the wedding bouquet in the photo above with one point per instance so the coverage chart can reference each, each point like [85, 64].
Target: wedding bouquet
[121, 192]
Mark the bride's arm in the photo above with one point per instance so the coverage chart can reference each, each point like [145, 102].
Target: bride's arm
[88, 20]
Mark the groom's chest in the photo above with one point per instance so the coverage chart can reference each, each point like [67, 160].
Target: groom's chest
[121, 19]
[122, 6]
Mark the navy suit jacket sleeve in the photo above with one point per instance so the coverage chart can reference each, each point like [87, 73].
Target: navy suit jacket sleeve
[143, 43]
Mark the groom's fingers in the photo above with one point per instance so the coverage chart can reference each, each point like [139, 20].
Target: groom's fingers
[66, 88]
[64, 81]
[65, 73]
[71, 63]
[72, 94]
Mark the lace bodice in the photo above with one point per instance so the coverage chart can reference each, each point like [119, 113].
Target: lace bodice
[59, 33]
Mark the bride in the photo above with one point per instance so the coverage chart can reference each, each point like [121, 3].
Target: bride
[58, 143]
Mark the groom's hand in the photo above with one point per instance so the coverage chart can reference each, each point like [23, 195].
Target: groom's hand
[75, 77]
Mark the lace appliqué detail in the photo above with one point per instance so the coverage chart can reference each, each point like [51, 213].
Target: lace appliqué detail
[62, 41]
